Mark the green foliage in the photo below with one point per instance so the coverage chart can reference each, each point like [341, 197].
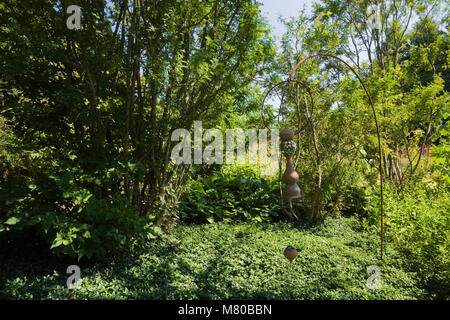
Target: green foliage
[235, 193]
[231, 261]
[87, 115]
[342, 190]
[86, 119]
[406, 74]
[441, 151]
[98, 228]
[66, 206]
[417, 222]
[4, 137]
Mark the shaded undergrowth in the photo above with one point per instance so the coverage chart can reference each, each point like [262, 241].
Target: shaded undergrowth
[225, 261]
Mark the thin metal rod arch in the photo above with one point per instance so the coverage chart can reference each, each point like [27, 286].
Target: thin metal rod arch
[380, 154]
[291, 76]
[304, 85]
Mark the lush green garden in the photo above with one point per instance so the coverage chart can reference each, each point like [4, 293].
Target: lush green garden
[87, 169]
[229, 260]
[240, 257]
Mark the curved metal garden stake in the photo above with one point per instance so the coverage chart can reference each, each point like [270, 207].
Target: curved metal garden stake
[291, 78]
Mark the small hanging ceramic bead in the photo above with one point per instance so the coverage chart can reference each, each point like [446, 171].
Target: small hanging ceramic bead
[290, 253]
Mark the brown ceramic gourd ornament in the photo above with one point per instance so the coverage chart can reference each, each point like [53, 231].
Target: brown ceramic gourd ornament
[290, 176]
[290, 253]
[287, 134]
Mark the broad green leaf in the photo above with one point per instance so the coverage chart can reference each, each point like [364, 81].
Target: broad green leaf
[12, 221]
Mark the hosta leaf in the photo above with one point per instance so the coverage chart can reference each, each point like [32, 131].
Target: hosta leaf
[12, 221]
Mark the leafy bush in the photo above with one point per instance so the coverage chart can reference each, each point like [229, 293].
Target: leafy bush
[343, 189]
[66, 205]
[235, 193]
[441, 151]
[417, 221]
[98, 228]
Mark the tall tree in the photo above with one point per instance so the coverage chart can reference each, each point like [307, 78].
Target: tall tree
[98, 105]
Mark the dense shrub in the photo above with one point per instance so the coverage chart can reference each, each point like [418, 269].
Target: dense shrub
[417, 221]
[344, 189]
[65, 205]
[234, 193]
[441, 151]
[93, 156]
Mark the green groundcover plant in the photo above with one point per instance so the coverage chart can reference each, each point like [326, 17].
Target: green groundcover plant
[229, 261]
